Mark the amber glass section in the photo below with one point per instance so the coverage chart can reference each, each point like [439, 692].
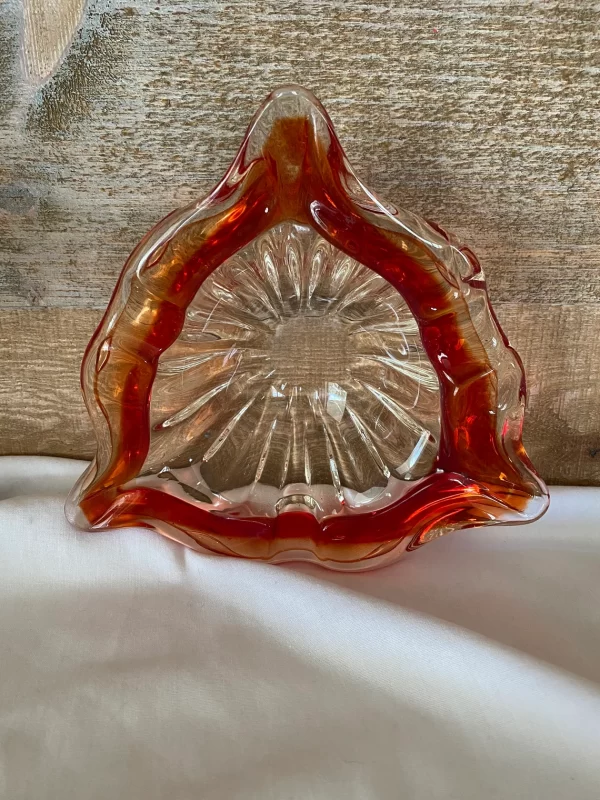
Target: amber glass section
[292, 368]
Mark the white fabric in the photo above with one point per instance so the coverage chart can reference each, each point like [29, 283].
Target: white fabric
[134, 669]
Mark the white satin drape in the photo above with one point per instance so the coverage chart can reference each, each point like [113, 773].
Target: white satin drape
[134, 669]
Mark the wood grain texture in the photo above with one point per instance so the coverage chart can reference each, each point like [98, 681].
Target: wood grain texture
[41, 406]
[41, 410]
[481, 114]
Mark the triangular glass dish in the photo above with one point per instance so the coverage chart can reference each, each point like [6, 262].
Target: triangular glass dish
[294, 369]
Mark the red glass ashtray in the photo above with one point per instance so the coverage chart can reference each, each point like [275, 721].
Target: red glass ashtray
[294, 369]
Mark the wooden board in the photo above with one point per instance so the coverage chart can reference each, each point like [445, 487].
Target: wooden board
[482, 115]
[42, 410]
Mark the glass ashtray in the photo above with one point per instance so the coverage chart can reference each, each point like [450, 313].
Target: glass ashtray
[294, 369]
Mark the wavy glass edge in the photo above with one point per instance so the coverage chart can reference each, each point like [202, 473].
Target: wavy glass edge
[291, 166]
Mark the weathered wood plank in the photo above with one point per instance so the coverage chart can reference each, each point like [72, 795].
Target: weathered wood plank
[560, 350]
[41, 410]
[481, 114]
[41, 407]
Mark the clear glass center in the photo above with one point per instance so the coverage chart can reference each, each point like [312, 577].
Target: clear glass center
[309, 350]
[299, 380]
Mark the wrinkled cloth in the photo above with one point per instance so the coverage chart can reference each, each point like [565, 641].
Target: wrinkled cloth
[135, 669]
